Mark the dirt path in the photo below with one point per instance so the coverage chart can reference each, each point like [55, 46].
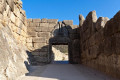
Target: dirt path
[64, 72]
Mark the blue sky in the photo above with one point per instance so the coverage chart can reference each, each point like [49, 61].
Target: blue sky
[69, 9]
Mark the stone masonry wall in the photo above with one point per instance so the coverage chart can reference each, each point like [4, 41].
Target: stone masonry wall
[39, 33]
[12, 14]
[100, 43]
[13, 34]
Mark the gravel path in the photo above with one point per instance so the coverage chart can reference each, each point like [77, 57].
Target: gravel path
[64, 72]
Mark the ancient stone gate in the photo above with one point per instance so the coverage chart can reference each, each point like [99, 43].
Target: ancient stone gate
[45, 33]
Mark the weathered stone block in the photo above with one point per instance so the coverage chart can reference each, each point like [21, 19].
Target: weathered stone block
[68, 22]
[32, 34]
[30, 44]
[11, 4]
[44, 34]
[41, 59]
[72, 31]
[29, 40]
[44, 20]
[38, 29]
[52, 21]
[51, 25]
[36, 20]
[117, 43]
[92, 40]
[74, 26]
[93, 51]
[44, 24]
[2, 6]
[44, 29]
[50, 29]
[39, 45]
[81, 19]
[39, 39]
[35, 53]
[92, 16]
[101, 22]
[29, 20]
[74, 36]
[31, 29]
[99, 36]
[107, 46]
[12, 17]
[34, 24]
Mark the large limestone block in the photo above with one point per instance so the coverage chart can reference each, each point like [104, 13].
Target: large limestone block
[74, 26]
[44, 20]
[41, 59]
[12, 17]
[39, 39]
[53, 21]
[44, 29]
[31, 24]
[35, 53]
[43, 54]
[23, 33]
[29, 40]
[94, 51]
[36, 24]
[52, 25]
[30, 45]
[39, 45]
[11, 4]
[40, 54]
[44, 34]
[112, 26]
[2, 5]
[92, 40]
[43, 49]
[24, 28]
[36, 20]
[16, 11]
[38, 29]
[99, 36]
[101, 22]
[68, 22]
[81, 20]
[92, 16]
[31, 29]
[32, 34]
[19, 31]
[108, 49]
[23, 12]
[29, 20]
[74, 36]
[90, 22]
[44, 24]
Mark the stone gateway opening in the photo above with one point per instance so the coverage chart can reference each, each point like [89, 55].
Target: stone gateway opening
[27, 45]
[60, 54]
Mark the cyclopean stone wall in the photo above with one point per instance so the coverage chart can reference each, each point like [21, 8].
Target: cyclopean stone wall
[100, 43]
[13, 33]
[94, 43]
[38, 38]
[13, 15]
[40, 31]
